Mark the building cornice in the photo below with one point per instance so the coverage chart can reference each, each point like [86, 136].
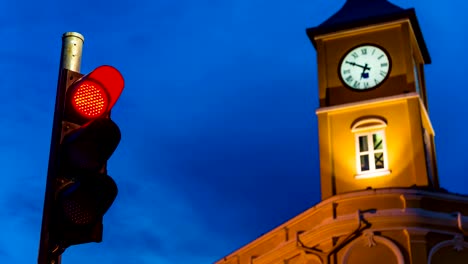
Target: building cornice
[414, 212]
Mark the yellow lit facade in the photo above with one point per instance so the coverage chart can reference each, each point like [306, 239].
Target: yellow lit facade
[381, 200]
[403, 122]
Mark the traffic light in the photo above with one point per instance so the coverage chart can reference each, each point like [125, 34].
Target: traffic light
[83, 191]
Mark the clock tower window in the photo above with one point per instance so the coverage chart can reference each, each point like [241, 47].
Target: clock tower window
[371, 151]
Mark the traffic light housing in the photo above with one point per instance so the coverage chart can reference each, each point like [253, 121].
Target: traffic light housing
[83, 191]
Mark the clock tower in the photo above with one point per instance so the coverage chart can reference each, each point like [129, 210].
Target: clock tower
[374, 127]
[381, 199]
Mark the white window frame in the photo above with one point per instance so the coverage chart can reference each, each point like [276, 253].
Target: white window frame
[369, 127]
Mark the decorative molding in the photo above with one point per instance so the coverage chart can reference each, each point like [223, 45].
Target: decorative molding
[460, 223]
[458, 243]
[376, 240]
[369, 235]
[403, 201]
[367, 103]
[374, 174]
[368, 123]
[362, 29]
[435, 220]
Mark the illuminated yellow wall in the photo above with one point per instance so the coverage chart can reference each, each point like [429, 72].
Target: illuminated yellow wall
[404, 141]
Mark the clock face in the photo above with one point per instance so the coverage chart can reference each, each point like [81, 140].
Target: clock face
[364, 67]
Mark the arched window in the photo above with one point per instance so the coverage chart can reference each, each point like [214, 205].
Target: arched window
[371, 149]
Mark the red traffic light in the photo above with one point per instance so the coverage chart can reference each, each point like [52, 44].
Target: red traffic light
[95, 94]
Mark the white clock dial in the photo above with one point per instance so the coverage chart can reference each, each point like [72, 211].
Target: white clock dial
[364, 67]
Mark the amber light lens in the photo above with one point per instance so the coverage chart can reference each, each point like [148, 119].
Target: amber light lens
[90, 100]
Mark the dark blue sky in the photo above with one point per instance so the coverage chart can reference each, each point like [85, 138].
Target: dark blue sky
[219, 133]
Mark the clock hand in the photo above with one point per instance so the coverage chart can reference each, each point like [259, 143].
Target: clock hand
[365, 74]
[355, 64]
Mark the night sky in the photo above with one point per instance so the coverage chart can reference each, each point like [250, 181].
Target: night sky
[219, 133]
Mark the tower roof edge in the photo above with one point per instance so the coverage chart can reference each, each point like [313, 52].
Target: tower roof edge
[359, 13]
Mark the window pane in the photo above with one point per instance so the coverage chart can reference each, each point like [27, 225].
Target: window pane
[363, 144]
[379, 160]
[377, 138]
[364, 162]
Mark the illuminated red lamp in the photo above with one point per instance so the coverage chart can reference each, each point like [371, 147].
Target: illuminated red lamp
[95, 94]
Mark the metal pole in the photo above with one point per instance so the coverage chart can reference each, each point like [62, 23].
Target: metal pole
[72, 47]
[70, 59]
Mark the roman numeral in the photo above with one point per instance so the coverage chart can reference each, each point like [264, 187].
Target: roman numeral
[383, 64]
[373, 51]
[383, 73]
[381, 56]
[356, 84]
[349, 79]
[346, 71]
[355, 55]
[366, 84]
[364, 51]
